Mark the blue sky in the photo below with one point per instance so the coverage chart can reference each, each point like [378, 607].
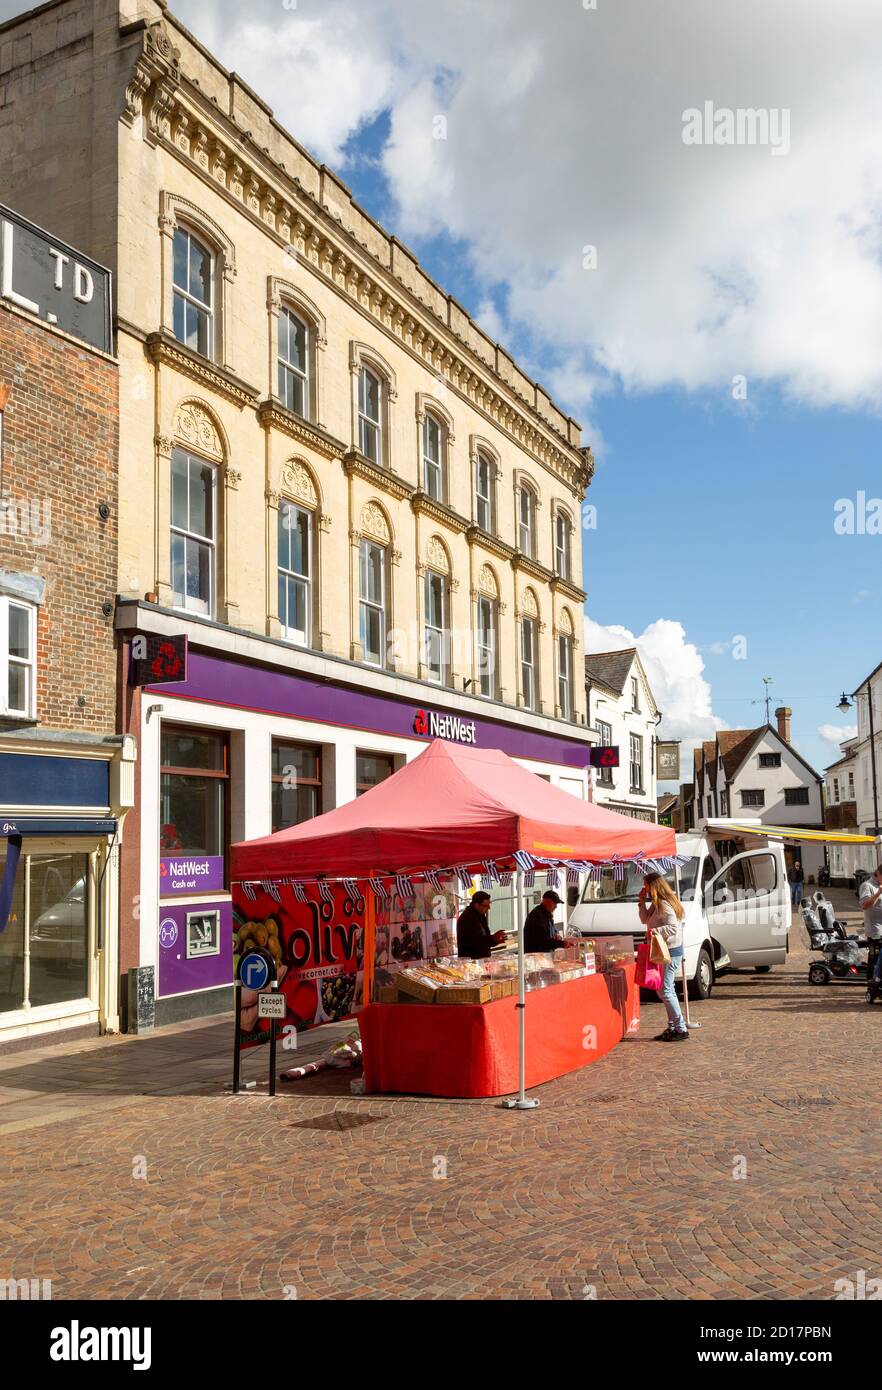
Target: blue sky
[562, 128]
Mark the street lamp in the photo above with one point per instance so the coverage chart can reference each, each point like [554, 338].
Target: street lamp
[845, 705]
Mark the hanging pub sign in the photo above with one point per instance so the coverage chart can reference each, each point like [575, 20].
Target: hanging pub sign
[667, 761]
[156, 659]
[603, 755]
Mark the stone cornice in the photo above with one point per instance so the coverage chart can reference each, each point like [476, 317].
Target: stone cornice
[163, 348]
[356, 465]
[439, 511]
[493, 544]
[520, 561]
[568, 589]
[180, 118]
[273, 415]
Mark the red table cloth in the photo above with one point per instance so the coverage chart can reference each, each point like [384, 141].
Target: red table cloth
[471, 1050]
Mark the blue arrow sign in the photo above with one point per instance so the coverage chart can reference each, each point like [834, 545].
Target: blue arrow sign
[254, 971]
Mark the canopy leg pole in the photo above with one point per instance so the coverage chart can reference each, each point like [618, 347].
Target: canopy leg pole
[523, 1102]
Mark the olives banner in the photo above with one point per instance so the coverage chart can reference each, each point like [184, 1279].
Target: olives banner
[318, 947]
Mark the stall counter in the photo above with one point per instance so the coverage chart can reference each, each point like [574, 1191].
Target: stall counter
[471, 1050]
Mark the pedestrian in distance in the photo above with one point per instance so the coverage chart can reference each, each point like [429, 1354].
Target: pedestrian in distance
[871, 902]
[661, 911]
[795, 879]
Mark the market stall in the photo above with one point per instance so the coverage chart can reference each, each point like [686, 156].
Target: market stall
[449, 815]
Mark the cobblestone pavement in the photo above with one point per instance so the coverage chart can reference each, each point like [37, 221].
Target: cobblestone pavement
[622, 1182]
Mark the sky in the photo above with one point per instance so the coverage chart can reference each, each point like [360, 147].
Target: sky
[711, 312]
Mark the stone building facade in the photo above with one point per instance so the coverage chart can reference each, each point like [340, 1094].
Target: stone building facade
[327, 470]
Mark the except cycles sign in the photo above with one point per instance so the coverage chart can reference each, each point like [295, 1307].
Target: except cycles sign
[428, 724]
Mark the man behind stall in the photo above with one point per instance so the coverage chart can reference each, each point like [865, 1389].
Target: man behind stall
[540, 933]
[473, 935]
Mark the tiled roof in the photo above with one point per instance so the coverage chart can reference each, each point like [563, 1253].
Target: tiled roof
[734, 744]
[610, 668]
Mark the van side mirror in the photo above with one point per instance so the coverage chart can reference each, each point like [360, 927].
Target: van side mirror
[572, 897]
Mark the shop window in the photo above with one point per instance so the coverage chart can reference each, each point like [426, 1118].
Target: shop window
[437, 637]
[372, 608]
[193, 532]
[194, 780]
[371, 769]
[293, 355]
[45, 949]
[487, 646]
[528, 662]
[193, 277]
[370, 404]
[295, 535]
[485, 474]
[296, 783]
[604, 736]
[18, 629]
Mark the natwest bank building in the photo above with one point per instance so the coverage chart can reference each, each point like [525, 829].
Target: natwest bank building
[258, 737]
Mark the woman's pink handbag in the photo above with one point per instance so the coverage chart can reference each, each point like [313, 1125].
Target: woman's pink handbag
[648, 975]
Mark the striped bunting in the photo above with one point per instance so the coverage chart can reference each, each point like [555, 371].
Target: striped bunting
[465, 878]
[505, 877]
[351, 887]
[249, 890]
[299, 891]
[490, 871]
[326, 891]
[618, 868]
[529, 878]
[404, 886]
[272, 889]
[434, 880]
[552, 878]
[523, 860]
[380, 889]
[572, 874]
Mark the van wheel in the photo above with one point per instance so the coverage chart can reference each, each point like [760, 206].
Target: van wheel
[703, 982]
[762, 969]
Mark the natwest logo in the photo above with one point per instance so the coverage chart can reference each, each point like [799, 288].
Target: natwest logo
[448, 726]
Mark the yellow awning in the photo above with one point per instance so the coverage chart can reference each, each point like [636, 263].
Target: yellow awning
[793, 832]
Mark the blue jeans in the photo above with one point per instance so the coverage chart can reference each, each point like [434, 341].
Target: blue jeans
[668, 994]
[796, 893]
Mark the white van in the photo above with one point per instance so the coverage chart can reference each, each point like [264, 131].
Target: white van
[735, 892]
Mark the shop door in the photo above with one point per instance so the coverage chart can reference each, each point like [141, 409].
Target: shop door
[46, 951]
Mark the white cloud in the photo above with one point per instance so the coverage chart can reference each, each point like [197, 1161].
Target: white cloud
[675, 670]
[836, 733]
[564, 130]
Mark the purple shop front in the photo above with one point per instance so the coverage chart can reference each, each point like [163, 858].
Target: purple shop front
[213, 680]
[195, 946]
[191, 873]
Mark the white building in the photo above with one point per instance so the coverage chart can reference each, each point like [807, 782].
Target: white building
[758, 774]
[854, 783]
[622, 711]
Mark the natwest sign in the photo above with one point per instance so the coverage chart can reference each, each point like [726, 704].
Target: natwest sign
[428, 724]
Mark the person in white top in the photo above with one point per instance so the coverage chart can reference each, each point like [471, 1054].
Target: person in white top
[661, 911]
[871, 902]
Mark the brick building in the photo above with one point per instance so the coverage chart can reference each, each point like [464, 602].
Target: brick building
[64, 773]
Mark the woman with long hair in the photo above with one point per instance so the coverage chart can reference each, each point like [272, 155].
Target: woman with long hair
[661, 911]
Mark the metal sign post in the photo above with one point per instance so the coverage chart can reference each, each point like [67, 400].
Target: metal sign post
[523, 1102]
[272, 1006]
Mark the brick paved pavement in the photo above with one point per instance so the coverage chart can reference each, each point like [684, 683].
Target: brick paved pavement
[622, 1180]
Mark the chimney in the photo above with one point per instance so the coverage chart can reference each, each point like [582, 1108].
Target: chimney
[783, 714]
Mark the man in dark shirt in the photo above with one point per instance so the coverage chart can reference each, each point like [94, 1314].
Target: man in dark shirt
[473, 936]
[539, 932]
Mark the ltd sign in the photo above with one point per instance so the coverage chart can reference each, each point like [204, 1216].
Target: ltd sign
[428, 724]
[51, 280]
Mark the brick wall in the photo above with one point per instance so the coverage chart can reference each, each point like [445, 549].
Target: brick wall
[60, 443]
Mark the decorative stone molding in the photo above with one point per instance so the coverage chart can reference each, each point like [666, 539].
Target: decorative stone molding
[565, 623]
[520, 561]
[437, 555]
[158, 64]
[165, 445]
[438, 511]
[195, 427]
[529, 607]
[232, 478]
[475, 536]
[273, 415]
[163, 348]
[375, 524]
[487, 582]
[567, 589]
[299, 483]
[356, 465]
[427, 403]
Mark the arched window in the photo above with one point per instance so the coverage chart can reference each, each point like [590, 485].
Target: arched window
[434, 457]
[193, 292]
[373, 560]
[193, 532]
[294, 350]
[527, 520]
[529, 641]
[295, 572]
[565, 674]
[370, 415]
[485, 492]
[563, 542]
[437, 626]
